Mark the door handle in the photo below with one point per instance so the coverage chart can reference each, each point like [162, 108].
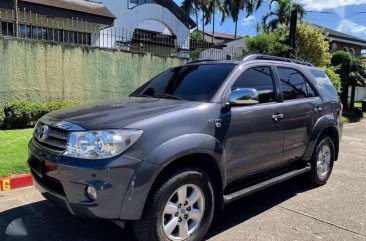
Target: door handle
[277, 117]
[318, 109]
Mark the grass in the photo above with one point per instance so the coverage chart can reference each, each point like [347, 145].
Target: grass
[14, 151]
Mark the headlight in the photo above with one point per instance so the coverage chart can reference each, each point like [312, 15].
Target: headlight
[100, 144]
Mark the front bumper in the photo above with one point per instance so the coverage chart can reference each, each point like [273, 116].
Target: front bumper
[122, 183]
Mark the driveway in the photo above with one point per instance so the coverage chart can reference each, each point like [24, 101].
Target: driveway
[288, 211]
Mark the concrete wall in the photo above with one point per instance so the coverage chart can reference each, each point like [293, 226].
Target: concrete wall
[38, 71]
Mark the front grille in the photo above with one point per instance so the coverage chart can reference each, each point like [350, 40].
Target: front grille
[56, 139]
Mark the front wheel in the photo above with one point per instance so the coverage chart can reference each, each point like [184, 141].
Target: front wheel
[181, 209]
[322, 161]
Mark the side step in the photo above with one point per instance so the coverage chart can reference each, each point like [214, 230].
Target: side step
[267, 183]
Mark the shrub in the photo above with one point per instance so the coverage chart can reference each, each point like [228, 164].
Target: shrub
[22, 114]
[59, 104]
[2, 116]
[340, 57]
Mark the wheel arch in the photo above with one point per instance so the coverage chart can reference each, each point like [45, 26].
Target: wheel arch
[200, 160]
[333, 134]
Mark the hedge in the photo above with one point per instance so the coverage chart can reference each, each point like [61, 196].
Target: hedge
[22, 114]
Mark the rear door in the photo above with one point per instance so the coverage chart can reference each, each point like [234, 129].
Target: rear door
[302, 108]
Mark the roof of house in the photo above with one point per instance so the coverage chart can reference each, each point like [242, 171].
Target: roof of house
[178, 12]
[222, 35]
[342, 36]
[85, 6]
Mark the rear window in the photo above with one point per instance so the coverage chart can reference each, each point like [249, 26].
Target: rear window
[325, 85]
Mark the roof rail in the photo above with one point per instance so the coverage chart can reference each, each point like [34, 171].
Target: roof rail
[275, 58]
[200, 60]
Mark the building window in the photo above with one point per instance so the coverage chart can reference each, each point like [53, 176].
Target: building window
[7, 29]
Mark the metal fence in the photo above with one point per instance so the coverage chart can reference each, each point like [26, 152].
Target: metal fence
[75, 31]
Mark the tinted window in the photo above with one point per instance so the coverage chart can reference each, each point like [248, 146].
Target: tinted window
[259, 78]
[294, 84]
[325, 85]
[191, 82]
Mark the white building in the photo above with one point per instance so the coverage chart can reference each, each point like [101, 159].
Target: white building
[232, 49]
[155, 16]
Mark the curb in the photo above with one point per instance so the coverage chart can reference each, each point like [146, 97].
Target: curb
[15, 182]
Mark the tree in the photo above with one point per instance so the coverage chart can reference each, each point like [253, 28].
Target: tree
[191, 7]
[357, 77]
[233, 8]
[212, 7]
[267, 43]
[311, 44]
[352, 72]
[341, 61]
[311, 47]
[282, 14]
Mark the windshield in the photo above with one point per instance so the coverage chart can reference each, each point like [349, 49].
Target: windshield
[190, 82]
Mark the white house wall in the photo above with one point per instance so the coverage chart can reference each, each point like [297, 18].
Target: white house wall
[360, 93]
[129, 19]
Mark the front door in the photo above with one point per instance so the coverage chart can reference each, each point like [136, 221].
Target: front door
[254, 139]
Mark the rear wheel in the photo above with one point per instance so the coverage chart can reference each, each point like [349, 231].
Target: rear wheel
[322, 161]
[181, 209]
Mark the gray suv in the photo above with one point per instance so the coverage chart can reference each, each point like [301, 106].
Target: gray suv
[190, 140]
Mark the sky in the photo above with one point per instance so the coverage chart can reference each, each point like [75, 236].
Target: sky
[341, 15]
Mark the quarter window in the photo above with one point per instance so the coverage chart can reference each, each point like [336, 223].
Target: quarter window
[294, 84]
[260, 79]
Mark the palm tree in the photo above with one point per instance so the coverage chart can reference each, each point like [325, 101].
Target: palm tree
[212, 7]
[191, 7]
[282, 14]
[194, 6]
[233, 8]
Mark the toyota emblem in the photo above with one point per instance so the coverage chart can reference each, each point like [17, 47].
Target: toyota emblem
[42, 133]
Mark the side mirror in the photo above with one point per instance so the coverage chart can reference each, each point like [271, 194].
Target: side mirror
[242, 97]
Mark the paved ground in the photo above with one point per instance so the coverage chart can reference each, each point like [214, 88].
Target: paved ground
[288, 211]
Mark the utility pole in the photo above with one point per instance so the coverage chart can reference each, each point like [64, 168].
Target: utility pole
[16, 21]
[293, 26]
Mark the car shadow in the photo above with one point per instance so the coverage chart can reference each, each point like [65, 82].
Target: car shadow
[43, 221]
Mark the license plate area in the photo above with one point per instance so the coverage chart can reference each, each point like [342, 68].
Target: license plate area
[37, 166]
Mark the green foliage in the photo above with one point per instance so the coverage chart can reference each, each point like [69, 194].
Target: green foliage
[357, 74]
[311, 44]
[351, 70]
[334, 77]
[267, 43]
[22, 114]
[197, 36]
[2, 116]
[340, 57]
[282, 14]
[58, 104]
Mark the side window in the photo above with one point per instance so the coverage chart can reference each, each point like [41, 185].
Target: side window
[294, 84]
[259, 78]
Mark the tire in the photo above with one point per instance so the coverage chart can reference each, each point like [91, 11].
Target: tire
[155, 222]
[322, 161]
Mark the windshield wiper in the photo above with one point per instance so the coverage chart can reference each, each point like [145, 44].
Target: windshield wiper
[167, 96]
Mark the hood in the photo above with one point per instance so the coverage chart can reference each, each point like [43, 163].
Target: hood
[117, 113]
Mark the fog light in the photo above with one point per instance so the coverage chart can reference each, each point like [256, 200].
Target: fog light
[92, 192]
